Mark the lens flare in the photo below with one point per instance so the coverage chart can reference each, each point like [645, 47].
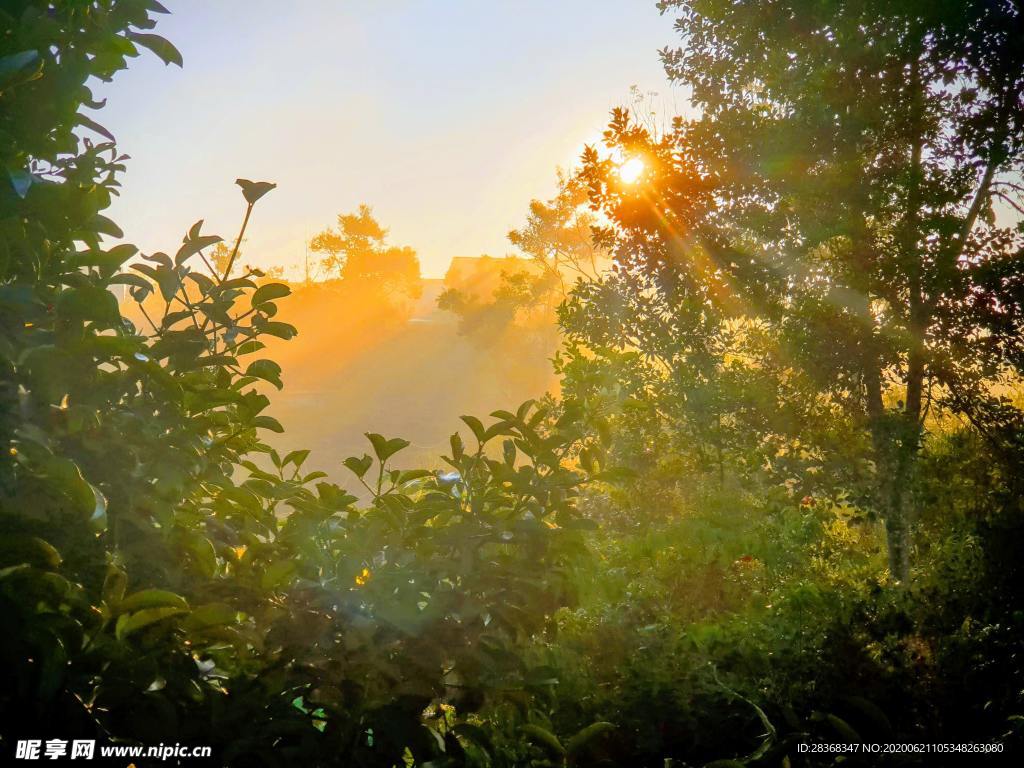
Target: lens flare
[631, 170]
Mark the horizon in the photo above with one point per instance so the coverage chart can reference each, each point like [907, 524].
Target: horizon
[428, 112]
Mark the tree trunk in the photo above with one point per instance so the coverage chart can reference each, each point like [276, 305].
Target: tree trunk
[896, 438]
[901, 433]
[898, 539]
[897, 507]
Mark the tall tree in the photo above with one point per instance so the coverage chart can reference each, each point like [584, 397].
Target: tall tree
[358, 253]
[558, 235]
[558, 243]
[843, 180]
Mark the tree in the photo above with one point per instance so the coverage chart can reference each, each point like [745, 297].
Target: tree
[840, 183]
[557, 239]
[357, 252]
[519, 306]
[156, 583]
[558, 234]
[220, 256]
[697, 401]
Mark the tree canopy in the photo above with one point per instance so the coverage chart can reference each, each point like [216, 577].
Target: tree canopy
[772, 517]
[840, 183]
[357, 252]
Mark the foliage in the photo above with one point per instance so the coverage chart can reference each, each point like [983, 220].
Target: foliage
[558, 234]
[740, 627]
[856, 223]
[356, 252]
[159, 583]
[799, 315]
[558, 240]
[518, 306]
[811, 329]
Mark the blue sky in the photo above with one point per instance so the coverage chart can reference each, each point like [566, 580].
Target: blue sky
[446, 116]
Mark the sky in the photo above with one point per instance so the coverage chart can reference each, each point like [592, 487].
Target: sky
[446, 116]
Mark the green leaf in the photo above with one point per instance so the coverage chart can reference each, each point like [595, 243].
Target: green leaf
[98, 518]
[89, 302]
[20, 67]
[68, 480]
[114, 584]
[524, 409]
[139, 292]
[543, 738]
[586, 735]
[21, 181]
[413, 474]
[843, 728]
[205, 554]
[474, 734]
[277, 574]
[211, 615]
[16, 549]
[475, 426]
[249, 347]
[500, 428]
[133, 622]
[152, 598]
[458, 448]
[385, 448]
[254, 190]
[333, 496]
[237, 282]
[296, 457]
[270, 292]
[165, 278]
[108, 261]
[106, 226]
[204, 283]
[359, 467]
[268, 422]
[193, 246]
[92, 125]
[278, 329]
[267, 370]
[158, 45]
[159, 257]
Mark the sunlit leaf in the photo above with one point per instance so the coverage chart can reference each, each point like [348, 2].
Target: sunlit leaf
[152, 598]
[384, 448]
[129, 623]
[358, 466]
[267, 370]
[270, 292]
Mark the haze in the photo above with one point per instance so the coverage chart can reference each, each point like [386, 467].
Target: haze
[447, 117]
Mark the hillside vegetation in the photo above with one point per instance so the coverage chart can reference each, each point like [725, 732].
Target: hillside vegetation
[764, 507]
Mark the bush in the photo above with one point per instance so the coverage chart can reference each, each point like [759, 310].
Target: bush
[165, 575]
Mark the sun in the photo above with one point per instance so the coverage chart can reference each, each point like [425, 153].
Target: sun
[631, 170]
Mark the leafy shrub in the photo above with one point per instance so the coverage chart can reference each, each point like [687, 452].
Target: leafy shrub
[165, 575]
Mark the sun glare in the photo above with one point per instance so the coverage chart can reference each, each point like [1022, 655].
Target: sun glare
[631, 170]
